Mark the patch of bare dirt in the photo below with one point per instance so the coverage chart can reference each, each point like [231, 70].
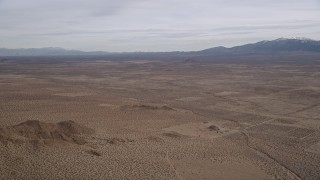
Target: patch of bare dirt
[147, 107]
[94, 153]
[116, 140]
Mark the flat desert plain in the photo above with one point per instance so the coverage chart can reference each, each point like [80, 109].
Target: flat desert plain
[96, 118]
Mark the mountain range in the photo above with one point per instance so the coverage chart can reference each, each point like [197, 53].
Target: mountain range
[273, 46]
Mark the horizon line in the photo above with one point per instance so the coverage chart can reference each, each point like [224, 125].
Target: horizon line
[105, 51]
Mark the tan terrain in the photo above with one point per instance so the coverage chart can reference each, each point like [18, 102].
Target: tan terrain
[108, 119]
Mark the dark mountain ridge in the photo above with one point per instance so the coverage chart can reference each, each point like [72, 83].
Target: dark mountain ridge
[273, 46]
[277, 45]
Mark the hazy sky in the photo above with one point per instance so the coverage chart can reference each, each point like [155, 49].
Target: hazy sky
[153, 25]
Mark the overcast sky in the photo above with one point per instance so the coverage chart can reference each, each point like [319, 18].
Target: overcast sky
[153, 25]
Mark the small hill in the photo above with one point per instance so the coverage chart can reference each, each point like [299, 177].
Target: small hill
[33, 130]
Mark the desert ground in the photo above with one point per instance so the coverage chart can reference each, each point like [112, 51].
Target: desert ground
[99, 118]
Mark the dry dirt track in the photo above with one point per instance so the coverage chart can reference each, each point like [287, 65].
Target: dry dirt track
[160, 119]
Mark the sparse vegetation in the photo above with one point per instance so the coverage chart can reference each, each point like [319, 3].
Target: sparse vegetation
[249, 117]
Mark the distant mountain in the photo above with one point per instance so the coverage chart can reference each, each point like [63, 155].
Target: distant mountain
[281, 45]
[219, 49]
[274, 46]
[278, 45]
[49, 51]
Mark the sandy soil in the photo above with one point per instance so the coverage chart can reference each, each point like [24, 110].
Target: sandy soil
[105, 119]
